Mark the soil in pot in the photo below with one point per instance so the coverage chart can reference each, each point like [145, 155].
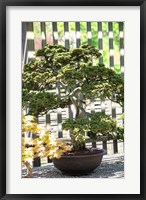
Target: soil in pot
[79, 162]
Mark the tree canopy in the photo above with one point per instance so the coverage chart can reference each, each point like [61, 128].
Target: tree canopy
[76, 70]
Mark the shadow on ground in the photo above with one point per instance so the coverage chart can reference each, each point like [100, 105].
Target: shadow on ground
[111, 167]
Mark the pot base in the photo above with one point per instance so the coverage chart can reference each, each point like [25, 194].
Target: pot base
[79, 164]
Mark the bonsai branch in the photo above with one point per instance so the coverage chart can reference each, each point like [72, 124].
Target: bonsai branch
[80, 111]
[75, 92]
[116, 101]
[62, 84]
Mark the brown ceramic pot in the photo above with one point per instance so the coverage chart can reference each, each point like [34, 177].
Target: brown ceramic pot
[79, 164]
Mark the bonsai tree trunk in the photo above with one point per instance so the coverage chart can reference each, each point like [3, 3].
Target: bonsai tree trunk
[77, 145]
[77, 101]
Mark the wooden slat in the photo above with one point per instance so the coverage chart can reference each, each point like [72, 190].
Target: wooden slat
[43, 33]
[30, 41]
[111, 49]
[100, 47]
[89, 37]
[115, 146]
[100, 43]
[111, 62]
[78, 41]
[66, 34]
[59, 114]
[48, 120]
[121, 33]
[55, 32]
[89, 34]
[104, 143]
[24, 44]
[94, 144]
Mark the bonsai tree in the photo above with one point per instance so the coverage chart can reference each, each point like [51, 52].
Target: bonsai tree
[78, 72]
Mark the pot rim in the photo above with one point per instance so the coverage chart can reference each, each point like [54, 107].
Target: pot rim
[81, 156]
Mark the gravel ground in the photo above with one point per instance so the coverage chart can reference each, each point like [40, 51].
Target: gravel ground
[111, 167]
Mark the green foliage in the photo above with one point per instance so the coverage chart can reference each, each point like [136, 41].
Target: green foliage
[79, 125]
[102, 125]
[120, 133]
[78, 128]
[98, 126]
[82, 78]
[41, 102]
[72, 68]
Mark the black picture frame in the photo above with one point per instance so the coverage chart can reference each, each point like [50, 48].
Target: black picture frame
[3, 6]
